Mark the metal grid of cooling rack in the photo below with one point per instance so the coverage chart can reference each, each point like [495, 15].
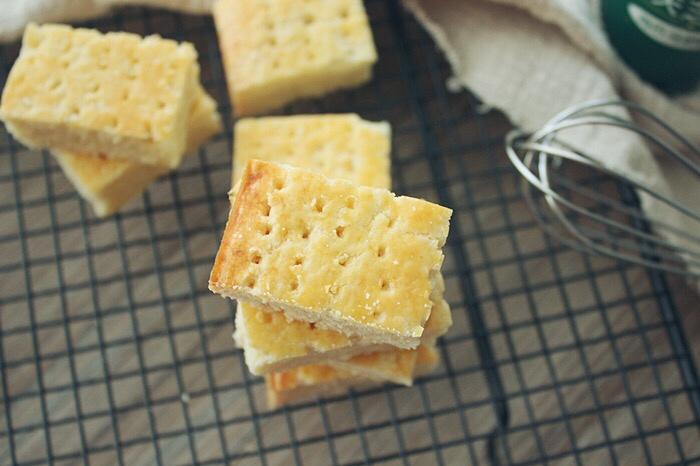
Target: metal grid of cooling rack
[114, 351]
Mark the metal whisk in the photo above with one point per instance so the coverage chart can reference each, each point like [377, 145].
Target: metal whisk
[595, 209]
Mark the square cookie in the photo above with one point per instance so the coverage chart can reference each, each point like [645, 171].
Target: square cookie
[277, 51]
[354, 259]
[271, 342]
[336, 145]
[115, 94]
[308, 382]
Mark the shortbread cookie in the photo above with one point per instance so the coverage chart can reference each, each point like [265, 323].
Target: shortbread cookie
[276, 51]
[115, 94]
[338, 146]
[382, 366]
[271, 342]
[350, 258]
[309, 382]
[109, 183]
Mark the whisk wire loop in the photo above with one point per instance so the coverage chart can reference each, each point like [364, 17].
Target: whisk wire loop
[585, 217]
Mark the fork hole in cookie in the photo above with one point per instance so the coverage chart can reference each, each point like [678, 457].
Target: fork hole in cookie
[66, 46]
[255, 257]
[381, 251]
[339, 231]
[250, 282]
[384, 285]
[53, 84]
[305, 232]
[294, 284]
[73, 111]
[298, 260]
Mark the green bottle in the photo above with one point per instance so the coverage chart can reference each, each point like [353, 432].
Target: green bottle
[659, 39]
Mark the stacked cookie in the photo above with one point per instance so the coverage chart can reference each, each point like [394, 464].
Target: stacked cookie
[338, 284]
[116, 110]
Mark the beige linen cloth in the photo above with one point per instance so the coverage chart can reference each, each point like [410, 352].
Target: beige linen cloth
[528, 58]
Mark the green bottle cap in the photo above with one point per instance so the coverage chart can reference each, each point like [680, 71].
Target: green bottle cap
[659, 39]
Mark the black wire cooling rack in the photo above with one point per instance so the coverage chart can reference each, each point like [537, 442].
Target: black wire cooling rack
[114, 351]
